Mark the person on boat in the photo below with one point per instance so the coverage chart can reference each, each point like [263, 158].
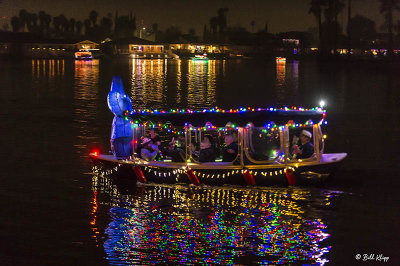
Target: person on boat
[194, 151]
[155, 138]
[207, 149]
[231, 149]
[149, 150]
[306, 149]
[175, 150]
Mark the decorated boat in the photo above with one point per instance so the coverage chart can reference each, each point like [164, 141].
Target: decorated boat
[202, 57]
[83, 55]
[266, 140]
[280, 59]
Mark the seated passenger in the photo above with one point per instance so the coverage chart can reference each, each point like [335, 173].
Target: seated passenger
[231, 149]
[175, 150]
[149, 150]
[207, 150]
[306, 149]
[193, 150]
[155, 138]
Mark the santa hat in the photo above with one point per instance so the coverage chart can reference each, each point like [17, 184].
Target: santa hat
[306, 133]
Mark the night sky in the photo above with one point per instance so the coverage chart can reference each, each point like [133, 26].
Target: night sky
[281, 15]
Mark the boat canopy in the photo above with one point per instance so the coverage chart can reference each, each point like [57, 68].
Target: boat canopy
[259, 118]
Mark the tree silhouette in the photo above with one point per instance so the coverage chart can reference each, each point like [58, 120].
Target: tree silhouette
[154, 28]
[205, 33]
[222, 23]
[316, 8]
[333, 10]
[22, 18]
[5, 26]
[42, 16]
[125, 26]
[44, 22]
[329, 29]
[252, 24]
[214, 25]
[29, 21]
[64, 23]
[72, 23]
[34, 18]
[47, 21]
[348, 17]
[15, 23]
[331, 14]
[79, 26]
[93, 17]
[387, 8]
[106, 26]
[172, 34]
[213, 28]
[87, 23]
[57, 21]
[362, 29]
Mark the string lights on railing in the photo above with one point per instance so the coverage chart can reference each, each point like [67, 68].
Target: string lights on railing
[218, 110]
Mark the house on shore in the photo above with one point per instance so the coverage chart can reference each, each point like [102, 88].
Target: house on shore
[189, 50]
[139, 48]
[25, 44]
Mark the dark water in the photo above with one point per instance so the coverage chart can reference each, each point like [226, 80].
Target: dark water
[54, 211]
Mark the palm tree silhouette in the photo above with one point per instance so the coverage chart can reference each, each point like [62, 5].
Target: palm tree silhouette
[213, 27]
[252, 24]
[22, 18]
[387, 8]
[316, 7]
[78, 26]
[331, 14]
[86, 23]
[34, 21]
[93, 17]
[15, 23]
[72, 23]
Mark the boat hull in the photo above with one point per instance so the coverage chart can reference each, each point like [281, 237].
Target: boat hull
[305, 173]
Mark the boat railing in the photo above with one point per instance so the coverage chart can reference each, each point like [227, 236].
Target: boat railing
[247, 153]
[319, 146]
[243, 157]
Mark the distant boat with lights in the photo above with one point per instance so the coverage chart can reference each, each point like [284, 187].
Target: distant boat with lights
[83, 55]
[264, 139]
[202, 57]
[281, 60]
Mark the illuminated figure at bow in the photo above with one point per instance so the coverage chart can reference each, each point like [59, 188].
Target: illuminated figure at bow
[121, 132]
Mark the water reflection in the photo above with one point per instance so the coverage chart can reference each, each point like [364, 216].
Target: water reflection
[287, 81]
[86, 84]
[201, 83]
[188, 83]
[295, 76]
[280, 80]
[148, 80]
[178, 224]
[54, 68]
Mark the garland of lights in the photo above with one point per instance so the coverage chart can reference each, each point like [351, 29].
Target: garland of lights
[178, 172]
[209, 126]
[218, 110]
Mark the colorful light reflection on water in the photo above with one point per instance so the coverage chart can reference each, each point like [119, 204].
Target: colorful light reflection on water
[218, 225]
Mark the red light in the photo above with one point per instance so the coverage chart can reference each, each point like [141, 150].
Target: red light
[96, 153]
